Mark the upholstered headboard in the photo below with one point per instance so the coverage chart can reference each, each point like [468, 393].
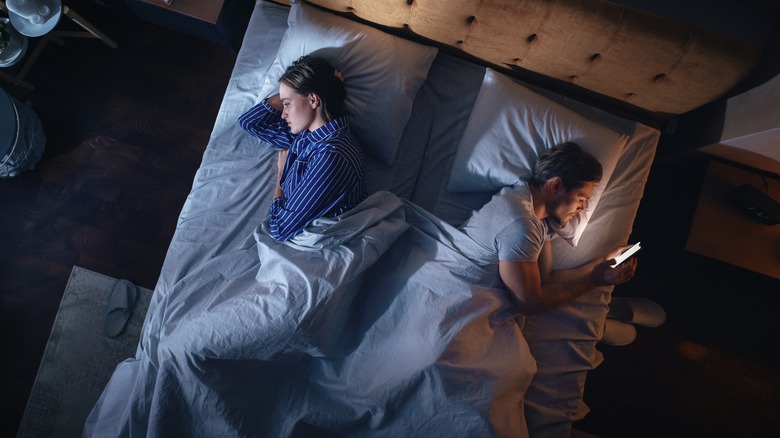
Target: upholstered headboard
[655, 64]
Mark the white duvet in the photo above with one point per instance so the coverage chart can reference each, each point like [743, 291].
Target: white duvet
[381, 323]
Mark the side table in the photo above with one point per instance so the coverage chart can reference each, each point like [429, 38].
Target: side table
[721, 229]
[221, 22]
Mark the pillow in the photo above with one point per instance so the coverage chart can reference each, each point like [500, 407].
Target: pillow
[382, 72]
[510, 126]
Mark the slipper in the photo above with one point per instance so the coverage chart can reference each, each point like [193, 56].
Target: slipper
[639, 311]
[120, 305]
[618, 333]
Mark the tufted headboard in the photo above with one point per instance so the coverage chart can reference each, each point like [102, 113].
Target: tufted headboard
[657, 65]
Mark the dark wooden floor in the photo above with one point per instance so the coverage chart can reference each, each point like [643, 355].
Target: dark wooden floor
[126, 130]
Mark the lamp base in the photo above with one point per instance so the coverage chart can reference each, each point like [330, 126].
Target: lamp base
[15, 49]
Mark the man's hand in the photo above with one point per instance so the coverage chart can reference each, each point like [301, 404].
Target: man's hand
[604, 274]
[616, 251]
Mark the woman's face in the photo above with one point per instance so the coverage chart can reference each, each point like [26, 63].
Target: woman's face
[299, 111]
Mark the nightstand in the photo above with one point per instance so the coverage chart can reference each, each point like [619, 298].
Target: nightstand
[722, 230]
[221, 22]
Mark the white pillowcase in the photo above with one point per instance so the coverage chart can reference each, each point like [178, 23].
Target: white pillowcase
[382, 72]
[510, 126]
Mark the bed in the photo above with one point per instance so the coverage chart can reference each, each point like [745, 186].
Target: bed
[381, 323]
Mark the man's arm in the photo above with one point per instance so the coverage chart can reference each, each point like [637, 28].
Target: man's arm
[564, 275]
[535, 287]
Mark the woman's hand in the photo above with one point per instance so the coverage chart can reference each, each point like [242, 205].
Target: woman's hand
[338, 74]
[281, 158]
[275, 102]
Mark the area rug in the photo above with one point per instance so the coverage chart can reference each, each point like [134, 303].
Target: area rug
[79, 359]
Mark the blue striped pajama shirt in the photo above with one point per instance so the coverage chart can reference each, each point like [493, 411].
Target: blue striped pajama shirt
[323, 173]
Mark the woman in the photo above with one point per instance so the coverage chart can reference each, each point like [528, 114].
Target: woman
[320, 169]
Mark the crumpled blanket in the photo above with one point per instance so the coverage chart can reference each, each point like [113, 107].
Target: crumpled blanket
[381, 322]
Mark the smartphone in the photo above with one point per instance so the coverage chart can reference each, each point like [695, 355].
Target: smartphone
[626, 254]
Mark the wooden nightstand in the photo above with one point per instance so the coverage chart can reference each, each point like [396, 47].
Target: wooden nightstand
[723, 231]
[219, 21]
[206, 10]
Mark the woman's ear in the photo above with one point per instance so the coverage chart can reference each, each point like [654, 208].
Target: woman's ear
[314, 100]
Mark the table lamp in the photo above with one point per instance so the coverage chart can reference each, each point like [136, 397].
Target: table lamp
[34, 18]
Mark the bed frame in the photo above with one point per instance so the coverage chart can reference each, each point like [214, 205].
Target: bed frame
[219, 319]
[614, 54]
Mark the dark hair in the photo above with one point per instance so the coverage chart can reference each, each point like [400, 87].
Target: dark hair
[570, 163]
[310, 74]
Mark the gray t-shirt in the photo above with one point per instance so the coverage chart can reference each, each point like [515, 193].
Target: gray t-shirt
[507, 227]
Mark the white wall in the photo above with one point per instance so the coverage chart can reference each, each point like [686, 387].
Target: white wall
[751, 128]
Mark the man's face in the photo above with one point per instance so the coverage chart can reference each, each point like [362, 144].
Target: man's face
[565, 205]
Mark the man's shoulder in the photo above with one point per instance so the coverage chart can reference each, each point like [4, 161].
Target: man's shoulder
[513, 199]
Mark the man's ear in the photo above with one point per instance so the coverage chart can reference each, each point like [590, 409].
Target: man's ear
[554, 184]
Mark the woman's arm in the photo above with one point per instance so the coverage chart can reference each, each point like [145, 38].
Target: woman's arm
[281, 159]
[265, 122]
[328, 180]
[275, 102]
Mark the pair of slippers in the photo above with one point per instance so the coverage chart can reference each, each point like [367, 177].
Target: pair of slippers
[626, 313]
[121, 302]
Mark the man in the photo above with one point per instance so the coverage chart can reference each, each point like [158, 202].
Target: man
[514, 226]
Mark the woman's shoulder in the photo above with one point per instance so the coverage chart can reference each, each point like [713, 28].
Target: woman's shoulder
[335, 130]
[336, 136]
